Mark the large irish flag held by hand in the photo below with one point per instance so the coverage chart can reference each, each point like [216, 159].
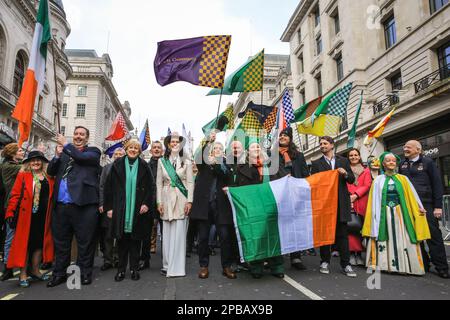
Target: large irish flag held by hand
[35, 76]
[285, 216]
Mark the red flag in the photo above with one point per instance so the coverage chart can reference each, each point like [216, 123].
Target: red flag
[119, 129]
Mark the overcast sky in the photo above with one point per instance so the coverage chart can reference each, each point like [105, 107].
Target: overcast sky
[135, 28]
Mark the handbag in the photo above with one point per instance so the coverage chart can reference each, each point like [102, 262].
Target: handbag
[15, 219]
[356, 224]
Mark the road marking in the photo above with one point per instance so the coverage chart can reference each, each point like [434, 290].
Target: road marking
[9, 297]
[302, 289]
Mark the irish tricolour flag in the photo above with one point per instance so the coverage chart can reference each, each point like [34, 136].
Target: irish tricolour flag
[285, 216]
[35, 76]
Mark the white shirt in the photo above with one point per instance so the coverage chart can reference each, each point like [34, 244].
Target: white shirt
[331, 162]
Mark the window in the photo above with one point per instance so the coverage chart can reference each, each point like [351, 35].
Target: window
[319, 85]
[63, 130]
[319, 46]
[64, 110]
[81, 110]
[340, 68]
[337, 23]
[272, 93]
[67, 92]
[436, 5]
[317, 17]
[301, 65]
[390, 32]
[299, 34]
[396, 82]
[303, 97]
[444, 60]
[82, 91]
[19, 73]
[305, 142]
[40, 105]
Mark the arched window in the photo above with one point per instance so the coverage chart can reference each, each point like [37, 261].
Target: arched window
[2, 51]
[19, 72]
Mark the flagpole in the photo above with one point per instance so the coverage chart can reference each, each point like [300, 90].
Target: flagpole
[56, 87]
[218, 109]
[373, 150]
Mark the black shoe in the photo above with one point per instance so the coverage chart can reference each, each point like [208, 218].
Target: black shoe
[56, 281]
[120, 276]
[163, 272]
[443, 274]
[86, 280]
[278, 275]
[298, 264]
[46, 266]
[135, 276]
[7, 274]
[144, 265]
[106, 267]
[257, 275]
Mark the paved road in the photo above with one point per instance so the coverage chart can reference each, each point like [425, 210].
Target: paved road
[298, 285]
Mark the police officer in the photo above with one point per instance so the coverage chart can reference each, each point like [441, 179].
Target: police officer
[424, 175]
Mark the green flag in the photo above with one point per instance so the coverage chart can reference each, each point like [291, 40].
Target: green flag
[248, 78]
[228, 114]
[352, 134]
[307, 110]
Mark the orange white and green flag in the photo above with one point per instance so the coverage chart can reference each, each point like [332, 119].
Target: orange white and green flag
[35, 76]
[379, 129]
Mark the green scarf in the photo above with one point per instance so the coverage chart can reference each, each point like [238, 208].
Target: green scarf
[130, 181]
[383, 235]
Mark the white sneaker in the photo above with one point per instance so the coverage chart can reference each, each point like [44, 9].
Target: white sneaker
[353, 260]
[324, 268]
[360, 262]
[348, 271]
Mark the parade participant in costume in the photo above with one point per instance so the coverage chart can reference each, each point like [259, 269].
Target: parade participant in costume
[359, 195]
[31, 201]
[128, 199]
[292, 162]
[13, 156]
[395, 222]
[105, 222]
[257, 172]
[425, 177]
[175, 192]
[330, 161]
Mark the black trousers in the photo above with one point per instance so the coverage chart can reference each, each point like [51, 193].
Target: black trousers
[435, 244]
[70, 220]
[225, 238]
[129, 249]
[107, 246]
[145, 247]
[341, 245]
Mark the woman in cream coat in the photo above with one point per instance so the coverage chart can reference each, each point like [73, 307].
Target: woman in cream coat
[175, 191]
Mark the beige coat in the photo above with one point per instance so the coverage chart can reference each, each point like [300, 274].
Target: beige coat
[171, 198]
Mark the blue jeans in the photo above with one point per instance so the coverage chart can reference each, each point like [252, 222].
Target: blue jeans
[8, 242]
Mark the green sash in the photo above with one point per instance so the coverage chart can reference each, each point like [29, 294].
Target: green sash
[175, 179]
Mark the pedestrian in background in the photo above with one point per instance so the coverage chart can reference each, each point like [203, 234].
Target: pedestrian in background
[128, 199]
[12, 162]
[30, 203]
[359, 196]
[105, 222]
[175, 193]
[425, 176]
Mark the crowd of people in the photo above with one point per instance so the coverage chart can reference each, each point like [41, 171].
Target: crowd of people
[387, 211]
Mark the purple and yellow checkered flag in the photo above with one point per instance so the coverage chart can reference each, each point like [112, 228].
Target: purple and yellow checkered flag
[201, 61]
[250, 124]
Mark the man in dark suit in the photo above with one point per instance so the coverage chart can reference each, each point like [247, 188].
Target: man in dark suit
[425, 176]
[330, 161]
[76, 168]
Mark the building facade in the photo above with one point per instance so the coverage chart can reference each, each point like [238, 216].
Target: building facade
[17, 21]
[397, 59]
[90, 99]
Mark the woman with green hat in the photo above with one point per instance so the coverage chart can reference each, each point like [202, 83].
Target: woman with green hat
[395, 222]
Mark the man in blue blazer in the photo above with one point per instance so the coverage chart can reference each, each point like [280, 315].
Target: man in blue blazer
[76, 197]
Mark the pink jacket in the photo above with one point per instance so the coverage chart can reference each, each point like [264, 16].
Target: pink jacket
[362, 191]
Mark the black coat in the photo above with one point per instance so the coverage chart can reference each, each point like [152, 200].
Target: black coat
[83, 179]
[344, 203]
[115, 196]
[426, 179]
[299, 167]
[153, 166]
[249, 175]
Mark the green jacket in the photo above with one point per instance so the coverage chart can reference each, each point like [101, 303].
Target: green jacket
[8, 174]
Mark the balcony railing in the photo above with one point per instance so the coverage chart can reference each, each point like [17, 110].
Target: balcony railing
[44, 122]
[385, 104]
[7, 95]
[432, 78]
